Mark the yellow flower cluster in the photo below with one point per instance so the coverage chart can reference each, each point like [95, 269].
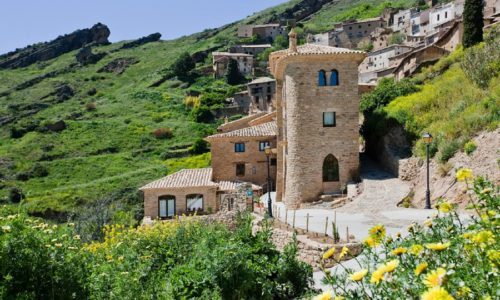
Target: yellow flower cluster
[389, 267]
[329, 253]
[399, 251]
[437, 246]
[435, 278]
[357, 276]
[420, 268]
[464, 174]
[437, 293]
[328, 295]
[445, 207]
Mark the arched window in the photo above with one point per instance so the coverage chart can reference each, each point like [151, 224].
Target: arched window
[334, 78]
[330, 169]
[194, 202]
[166, 206]
[322, 78]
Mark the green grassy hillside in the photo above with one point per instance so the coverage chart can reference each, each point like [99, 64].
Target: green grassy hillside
[107, 149]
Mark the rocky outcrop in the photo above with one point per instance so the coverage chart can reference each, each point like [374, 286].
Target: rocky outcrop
[301, 10]
[154, 37]
[119, 65]
[86, 57]
[98, 34]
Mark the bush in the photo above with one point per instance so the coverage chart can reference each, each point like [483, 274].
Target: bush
[169, 260]
[233, 75]
[15, 195]
[200, 146]
[469, 147]
[192, 101]
[39, 170]
[183, 66]
[482, 62]
[202, 114]
[447, 151]
[397, 38]
[443, 258]
[163, 133]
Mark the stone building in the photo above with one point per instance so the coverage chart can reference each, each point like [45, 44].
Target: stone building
[261, 92]
[221, 61]
[317, 120]
[250, 49]
[266, 32]
[416, 59]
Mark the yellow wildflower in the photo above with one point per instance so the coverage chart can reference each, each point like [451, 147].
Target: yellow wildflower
[428, 223]
[486, 191]
[344, 251]
[378, 275]
[327, 295]
[76, 237]
[416, 249]
[58, 245]
[399, 251]
[357, 276]
[435, 278]
[71, 224]
[464, 174]
[72, 248]
[437, 293]
[377, 232]
[494, 256]
[391, 265]
[54, 240]
[445, 207]
[484, 237]
[121, 258]
[437, 246]
[371, 242]
[6, 228]
[463, 292]
[329, 253]
[420, 268]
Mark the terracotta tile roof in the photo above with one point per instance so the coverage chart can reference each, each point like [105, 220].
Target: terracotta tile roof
[233, 185]
[317, 49]
[184, 178]
[229, 54]
[241, 120]
[266, 129]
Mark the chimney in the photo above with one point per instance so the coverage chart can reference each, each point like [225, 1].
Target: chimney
[292, 41]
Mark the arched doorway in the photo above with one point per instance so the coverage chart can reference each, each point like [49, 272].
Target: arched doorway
[330, 169]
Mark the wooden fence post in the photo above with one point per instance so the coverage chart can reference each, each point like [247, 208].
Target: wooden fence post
[286, 217]
[326, 225]
[307, 222]
[347, 234]
[293, 223]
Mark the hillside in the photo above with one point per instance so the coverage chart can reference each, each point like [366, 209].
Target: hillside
[104, 148]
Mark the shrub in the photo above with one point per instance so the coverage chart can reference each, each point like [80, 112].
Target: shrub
[469, 147]
[482, 63]
[233, 75]
[397, 38]
[443, 258]
[15, 195]
[90, 106]
[183, 66]
[192, 101]
[38, 170]
[202, 114]
[447, 151]
[444, 169]
[200, 146]
[163, 133]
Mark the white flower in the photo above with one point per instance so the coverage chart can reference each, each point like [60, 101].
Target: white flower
[6, 228]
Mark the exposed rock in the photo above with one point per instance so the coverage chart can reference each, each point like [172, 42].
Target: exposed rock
[154, 37]
[300, 10]
[393, 148]
[57, 126]
[64, 92]
[86, 57]
[98, 34]
[119, 65]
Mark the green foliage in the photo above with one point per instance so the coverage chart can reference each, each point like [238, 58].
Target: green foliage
[183, 66]
[200, 146]
[397, 38]
[169, 260]
[233, 75]
[447, 151]
[470, 147]
[458, 258]
[387, 90]
[473, 23]
[482, 63]
[163, 133]
[15, 195]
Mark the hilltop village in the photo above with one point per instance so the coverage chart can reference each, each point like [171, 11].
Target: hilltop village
[310, 150]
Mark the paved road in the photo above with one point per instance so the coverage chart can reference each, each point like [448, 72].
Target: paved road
[377, 204]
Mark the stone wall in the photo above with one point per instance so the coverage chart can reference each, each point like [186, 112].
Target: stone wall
[224, 159]
[151, 199]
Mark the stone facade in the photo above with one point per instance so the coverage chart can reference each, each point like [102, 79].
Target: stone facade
[151, 201]
[304, 142]
[267, 32]
[221, 61]
[261, 92]
[250, 49]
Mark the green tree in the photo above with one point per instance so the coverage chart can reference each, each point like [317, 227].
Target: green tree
[473, 22]
[233, 75]
[183, 66]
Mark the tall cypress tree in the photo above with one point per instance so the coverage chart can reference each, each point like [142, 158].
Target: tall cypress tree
[233, 75]
[473, 22]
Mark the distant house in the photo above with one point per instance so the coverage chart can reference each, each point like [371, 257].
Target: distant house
[358, 30]
[261, 92]
[250, 49]
[416, 59]
[221, 61]
[267, 32]
[378, 61]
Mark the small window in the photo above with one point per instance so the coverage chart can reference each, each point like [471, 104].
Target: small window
[254, 170]
[239, 147]
[268, 89]
[438, 17]
[263, 145]
[194, 202]
[240, 169]
[329, 119]
[445, 14]
[269, 97]
[322, 78]
[274, 162]
[334, 78]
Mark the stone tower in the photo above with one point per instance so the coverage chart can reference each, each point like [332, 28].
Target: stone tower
[318, 120]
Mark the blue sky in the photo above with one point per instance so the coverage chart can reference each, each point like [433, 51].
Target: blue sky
[24, 22]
